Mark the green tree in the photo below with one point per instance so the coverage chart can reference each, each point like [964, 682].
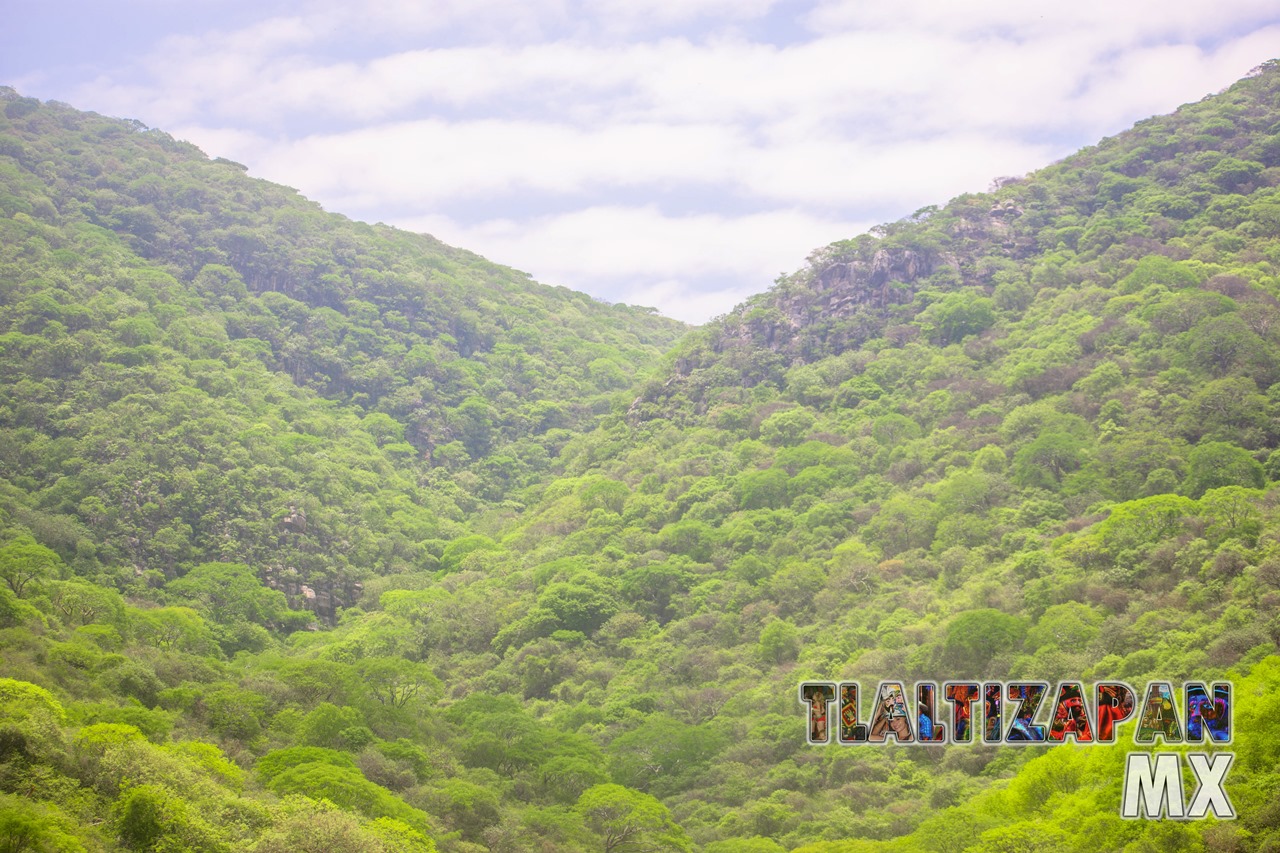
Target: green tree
[662, 753]
[31, 720]
[1045, 461]
[690, 537]
[779, 642]
[976, 637]
[396, 681]
[763, 489]
[234, 712]
[583, 604]
[174, 629]
[1071, 627]
[956, 316]
[149, 817]
[348, 789]
[786, 428]
[304, 825]
[24, 560]
[231, 592]
[655, 588]
[79, 602]
[1214, 464]
[333, 727]
[628, 820]
[1145, 521]
[903, 522]
[1232, 512]
[1228, 409]
[460, 548]
[35, 827]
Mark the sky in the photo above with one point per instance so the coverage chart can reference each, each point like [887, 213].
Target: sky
[680, 154]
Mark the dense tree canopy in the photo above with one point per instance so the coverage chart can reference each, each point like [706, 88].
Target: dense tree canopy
[317, 535]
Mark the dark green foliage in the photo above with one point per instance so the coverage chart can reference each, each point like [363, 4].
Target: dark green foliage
[150, 818]
[975, 637]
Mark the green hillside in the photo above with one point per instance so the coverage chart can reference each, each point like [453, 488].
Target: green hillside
[324, 536]
[196, 358]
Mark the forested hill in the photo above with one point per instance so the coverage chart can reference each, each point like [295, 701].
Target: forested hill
[1027, 434]
[566, 605]
[1194, 187]
[199, 364]
[380, 319]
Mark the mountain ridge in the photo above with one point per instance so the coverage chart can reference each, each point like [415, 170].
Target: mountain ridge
[314, 536]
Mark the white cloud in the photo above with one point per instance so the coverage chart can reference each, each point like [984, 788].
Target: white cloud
[431, 165]
[1106, 22]
[500, 20]
[682, 299]
[620, 17]
[454, 113]
[436, 161]
[637, 255]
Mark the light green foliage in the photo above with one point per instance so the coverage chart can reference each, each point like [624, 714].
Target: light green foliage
[278, 761]
[559, 588]
[956, 316]
[786, 428]
[655, 589]
[1229, 410]
[1070, 627]
[35, 827]
[1232, 512]
[334, 727]
[779, 641]
[663, 753]
[14, 611]
[24, 561]
[1216, 464]
[307, 826]
[31, 719]
[691, 538]
[629, 820]
[396, 682]
[174, 629]
[745, 845]
[22, 698]
[1158, 271]
[348, 789]
[1258, 716]
[903, 522]
[763, 489]
[1145, 521]
[455, 552]
[468, 807]
[80, 603]
[233, 712]
[230, 593]
[212, 760]
[1045, 461]
[583, 604]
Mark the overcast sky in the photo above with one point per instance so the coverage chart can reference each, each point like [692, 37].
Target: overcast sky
[674, 153]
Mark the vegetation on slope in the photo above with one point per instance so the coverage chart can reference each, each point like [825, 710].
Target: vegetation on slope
[1028, 434]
